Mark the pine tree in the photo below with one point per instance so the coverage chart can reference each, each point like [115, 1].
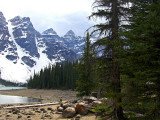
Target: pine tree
[114, 13]
[85, 82]
[58, 76]
[142, 58]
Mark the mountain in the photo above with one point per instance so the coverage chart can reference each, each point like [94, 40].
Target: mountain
[73, 42]
[55, 47]
[7, 46]
[23, 50]
[69, 40]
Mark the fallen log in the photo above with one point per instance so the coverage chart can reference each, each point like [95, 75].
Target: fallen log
[35, 105]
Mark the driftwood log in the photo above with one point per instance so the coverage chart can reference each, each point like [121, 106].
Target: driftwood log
[34, 105]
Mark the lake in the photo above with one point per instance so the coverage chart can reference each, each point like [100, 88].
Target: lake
[7, 99]
[11, 88]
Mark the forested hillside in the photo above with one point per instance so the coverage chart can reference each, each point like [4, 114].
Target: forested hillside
[59, 76]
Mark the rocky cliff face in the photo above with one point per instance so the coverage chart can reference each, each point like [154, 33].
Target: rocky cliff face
[7, 46]
[55, 47]
[23, 50]
[25, 35]
[75, 43]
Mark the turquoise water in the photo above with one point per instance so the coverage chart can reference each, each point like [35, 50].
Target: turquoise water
[11, 88]
[7, 99]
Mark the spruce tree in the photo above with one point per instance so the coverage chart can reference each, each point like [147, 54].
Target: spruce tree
[58, 76]
[113, 13]
[85, 82]
[142, 59]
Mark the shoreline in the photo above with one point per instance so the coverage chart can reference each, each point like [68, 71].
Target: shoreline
[45, 95]
[35, 112]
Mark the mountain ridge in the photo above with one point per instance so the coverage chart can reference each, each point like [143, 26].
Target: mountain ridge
[25, 51]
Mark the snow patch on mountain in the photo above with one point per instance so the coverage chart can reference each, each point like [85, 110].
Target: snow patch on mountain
[20, 51]
[43, 60]
[24, 51]
[14, 72]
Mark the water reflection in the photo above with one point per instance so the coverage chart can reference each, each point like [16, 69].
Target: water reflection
[6, 99]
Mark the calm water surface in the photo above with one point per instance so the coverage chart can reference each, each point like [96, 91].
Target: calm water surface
[11, 88]
[7, 99]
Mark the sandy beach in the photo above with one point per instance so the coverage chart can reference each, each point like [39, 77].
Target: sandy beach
[41, 112]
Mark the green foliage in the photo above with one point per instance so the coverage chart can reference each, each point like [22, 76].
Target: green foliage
[59, 76]
[114, 13]
[85, 82]
[141, 60]
[102, 110]
[128, 71]
[132, 63]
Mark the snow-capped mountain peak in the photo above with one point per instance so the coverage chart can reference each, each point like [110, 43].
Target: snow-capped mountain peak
[23, 50]
[2, 19]
[70, 33]
[49, 32]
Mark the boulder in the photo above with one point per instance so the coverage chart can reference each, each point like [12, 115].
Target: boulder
[90, 99]
[60, 109]
[67, 105]
[69, 112]
[81, 109]
[96, 103]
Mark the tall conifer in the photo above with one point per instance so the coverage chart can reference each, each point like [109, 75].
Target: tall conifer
[113, 13]
[142, 58]
[85, 81]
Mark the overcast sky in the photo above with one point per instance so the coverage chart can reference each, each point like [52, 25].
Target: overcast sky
[61, 15]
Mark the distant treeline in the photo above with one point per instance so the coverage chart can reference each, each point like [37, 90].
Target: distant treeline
[9, 83]
[59, 76]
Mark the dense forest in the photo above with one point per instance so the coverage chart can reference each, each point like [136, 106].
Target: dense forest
[59, 76]
[122, 65]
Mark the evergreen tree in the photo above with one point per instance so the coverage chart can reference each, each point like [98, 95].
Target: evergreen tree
[58, 76]
[142, 59]
[85, 83]
[114, 13]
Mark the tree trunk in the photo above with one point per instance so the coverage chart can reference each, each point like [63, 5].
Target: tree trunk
[116, 65]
